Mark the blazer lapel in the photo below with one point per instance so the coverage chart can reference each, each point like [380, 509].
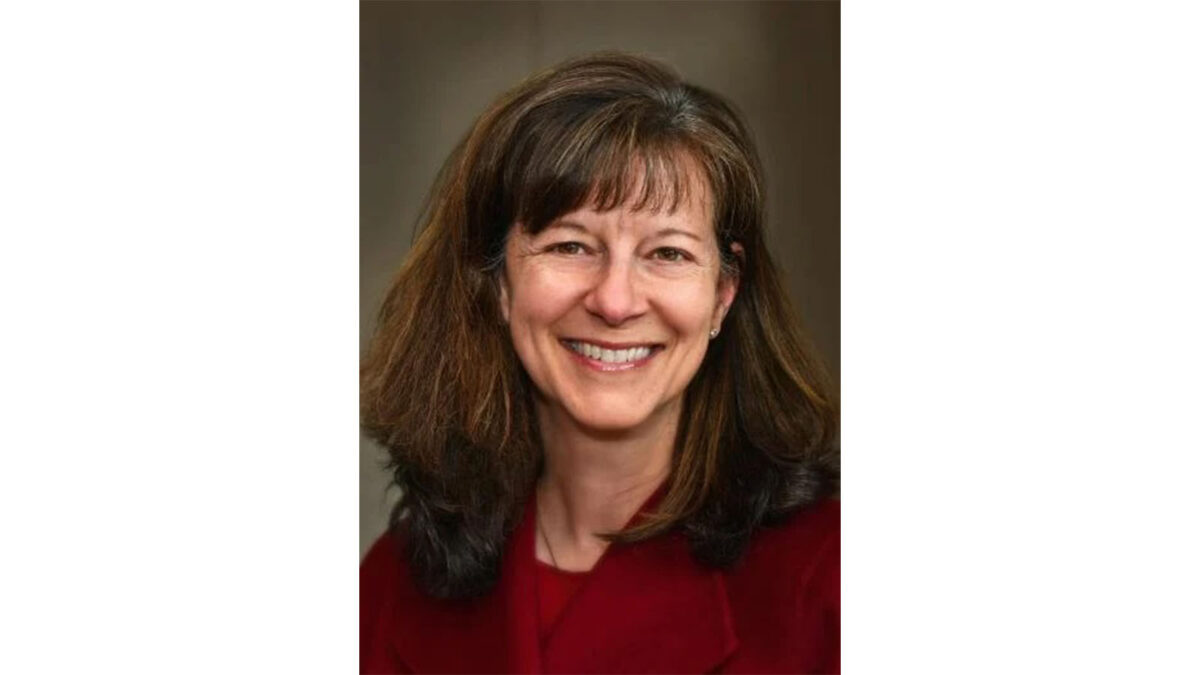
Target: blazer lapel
[645, 607]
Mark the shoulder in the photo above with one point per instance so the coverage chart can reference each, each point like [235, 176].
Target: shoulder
[382, 561]
[821, 520]
[383, 579]
[804, 546]
[378, 575]
[785, 593]
[384, 573]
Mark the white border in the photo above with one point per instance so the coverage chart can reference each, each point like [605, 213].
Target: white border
[1020, 295]
[179, 265]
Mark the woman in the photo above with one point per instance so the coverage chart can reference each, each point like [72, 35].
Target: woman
[614, 448]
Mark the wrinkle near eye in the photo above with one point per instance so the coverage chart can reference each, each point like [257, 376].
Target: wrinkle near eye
[524, 246]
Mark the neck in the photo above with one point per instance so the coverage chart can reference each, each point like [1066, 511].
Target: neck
[595, 481]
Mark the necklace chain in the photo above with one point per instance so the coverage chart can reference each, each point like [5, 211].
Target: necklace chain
[545, 539]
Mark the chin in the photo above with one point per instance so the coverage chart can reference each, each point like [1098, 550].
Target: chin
[610, 423]
[609, 418]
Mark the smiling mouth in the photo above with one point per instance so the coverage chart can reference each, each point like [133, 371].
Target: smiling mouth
[607, 358]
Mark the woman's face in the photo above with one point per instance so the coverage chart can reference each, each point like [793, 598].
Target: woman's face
[610, 312]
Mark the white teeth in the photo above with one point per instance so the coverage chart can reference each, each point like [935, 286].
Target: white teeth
[610, 355]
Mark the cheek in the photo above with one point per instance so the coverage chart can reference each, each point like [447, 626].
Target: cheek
[539, 298]
[540, 301]
[688, 310]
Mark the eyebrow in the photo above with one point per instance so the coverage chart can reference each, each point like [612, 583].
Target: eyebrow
[664, 232]
[667, 231]
[567, 225]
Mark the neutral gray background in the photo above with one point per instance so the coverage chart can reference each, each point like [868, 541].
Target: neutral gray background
[429, 68]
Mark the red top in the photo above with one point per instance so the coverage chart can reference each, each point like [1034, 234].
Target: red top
[647, 607]
[555, 588]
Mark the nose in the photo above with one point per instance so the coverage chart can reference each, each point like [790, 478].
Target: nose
[616, 296]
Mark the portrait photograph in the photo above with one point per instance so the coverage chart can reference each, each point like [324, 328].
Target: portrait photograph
[600, 337]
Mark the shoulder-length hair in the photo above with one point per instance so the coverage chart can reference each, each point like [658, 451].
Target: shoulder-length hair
[443, 390]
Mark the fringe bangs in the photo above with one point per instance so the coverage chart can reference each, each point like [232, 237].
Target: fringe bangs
[618, 157]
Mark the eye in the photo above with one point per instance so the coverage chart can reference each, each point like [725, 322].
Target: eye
[669, 254]
[568, 248]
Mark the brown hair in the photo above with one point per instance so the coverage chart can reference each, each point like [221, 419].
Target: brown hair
[442, 387]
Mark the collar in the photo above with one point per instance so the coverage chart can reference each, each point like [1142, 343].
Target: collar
[645, 607]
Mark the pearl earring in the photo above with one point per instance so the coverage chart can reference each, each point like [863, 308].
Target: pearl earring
[712, 334]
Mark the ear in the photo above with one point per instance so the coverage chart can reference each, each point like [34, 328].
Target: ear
[727, 288]
[504, 290]
[504, 294]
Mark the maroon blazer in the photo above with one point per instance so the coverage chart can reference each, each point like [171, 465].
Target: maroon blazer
[644, 608]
